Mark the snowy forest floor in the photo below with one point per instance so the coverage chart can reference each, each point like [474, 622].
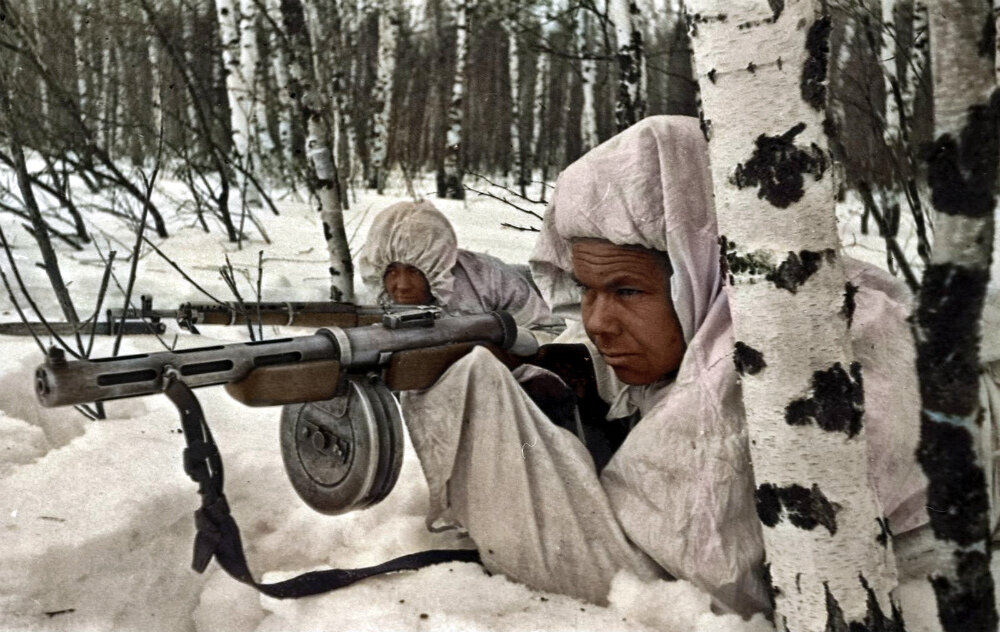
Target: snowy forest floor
[97, 515]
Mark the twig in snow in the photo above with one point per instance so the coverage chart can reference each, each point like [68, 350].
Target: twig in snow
[260, 278]
[527, 229]
[100, 300]
[230, 278]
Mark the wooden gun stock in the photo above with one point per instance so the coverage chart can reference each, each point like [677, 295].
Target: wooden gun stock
[287, 384]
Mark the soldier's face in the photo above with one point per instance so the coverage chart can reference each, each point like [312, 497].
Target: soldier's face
[627, 310]
[406, 285]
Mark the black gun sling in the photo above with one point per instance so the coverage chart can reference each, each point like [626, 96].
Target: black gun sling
[218, 535]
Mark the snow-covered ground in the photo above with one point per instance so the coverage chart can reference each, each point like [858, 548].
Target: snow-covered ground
[97, 515]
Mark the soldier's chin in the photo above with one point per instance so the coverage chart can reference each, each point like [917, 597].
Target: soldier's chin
[633, 376]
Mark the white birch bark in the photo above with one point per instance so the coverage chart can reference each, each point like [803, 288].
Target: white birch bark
[196, 9]
[588, 79]
[239, 92]
[81, 32]
[962, 173]
[259, 141]
[517, 177]
[310, 103]
[891, 130]
[156, 84]
[762, 70]
[348, 74]
[388, 26]
[453, 175]
[106, 90]
[630, 105]
[279, 63]
[540, 110]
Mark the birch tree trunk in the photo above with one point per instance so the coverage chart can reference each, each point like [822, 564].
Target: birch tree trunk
[961, 175]
[588, 79]
[258, 138]
[192, 16]
[388, 27]
[81, 31]
[156, 85]
[453, 175]
[518, 179]
[631, 102]
[762, 68]
[279, 61]
[304, 91]
[238, 91]
[540, 104]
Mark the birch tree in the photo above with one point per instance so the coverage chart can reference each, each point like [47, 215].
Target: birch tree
[305, 93]
[630, 105]
[388, 31]
[517, 149]
[588, 80]
[452, 184]
[961, 175]
[762, 68]
[237, 56]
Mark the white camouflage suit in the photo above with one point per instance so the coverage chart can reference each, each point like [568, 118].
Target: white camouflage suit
[677, 497]
[461, 282]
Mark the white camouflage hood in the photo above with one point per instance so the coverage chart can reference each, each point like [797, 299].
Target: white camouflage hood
[415, 234]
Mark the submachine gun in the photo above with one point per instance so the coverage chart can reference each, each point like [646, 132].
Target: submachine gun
[341, 426]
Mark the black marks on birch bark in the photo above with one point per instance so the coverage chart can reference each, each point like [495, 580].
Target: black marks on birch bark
[947, 317]
[777, 167]
[777, 6]
[961, 605]
[789, 275]
[962, 174]
[327, 232]
[804, 508]
[748, 360]
[796, 269]
[836, 403]
[885, 533]
[957, 503]
[733, 262]
[711, 75]
[875, 619]
[694, 20]
[847, 311]
[813, 83]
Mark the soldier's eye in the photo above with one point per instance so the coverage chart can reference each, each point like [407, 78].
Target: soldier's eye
[627, 291]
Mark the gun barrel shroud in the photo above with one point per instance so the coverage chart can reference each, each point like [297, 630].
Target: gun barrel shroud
[59, 382]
